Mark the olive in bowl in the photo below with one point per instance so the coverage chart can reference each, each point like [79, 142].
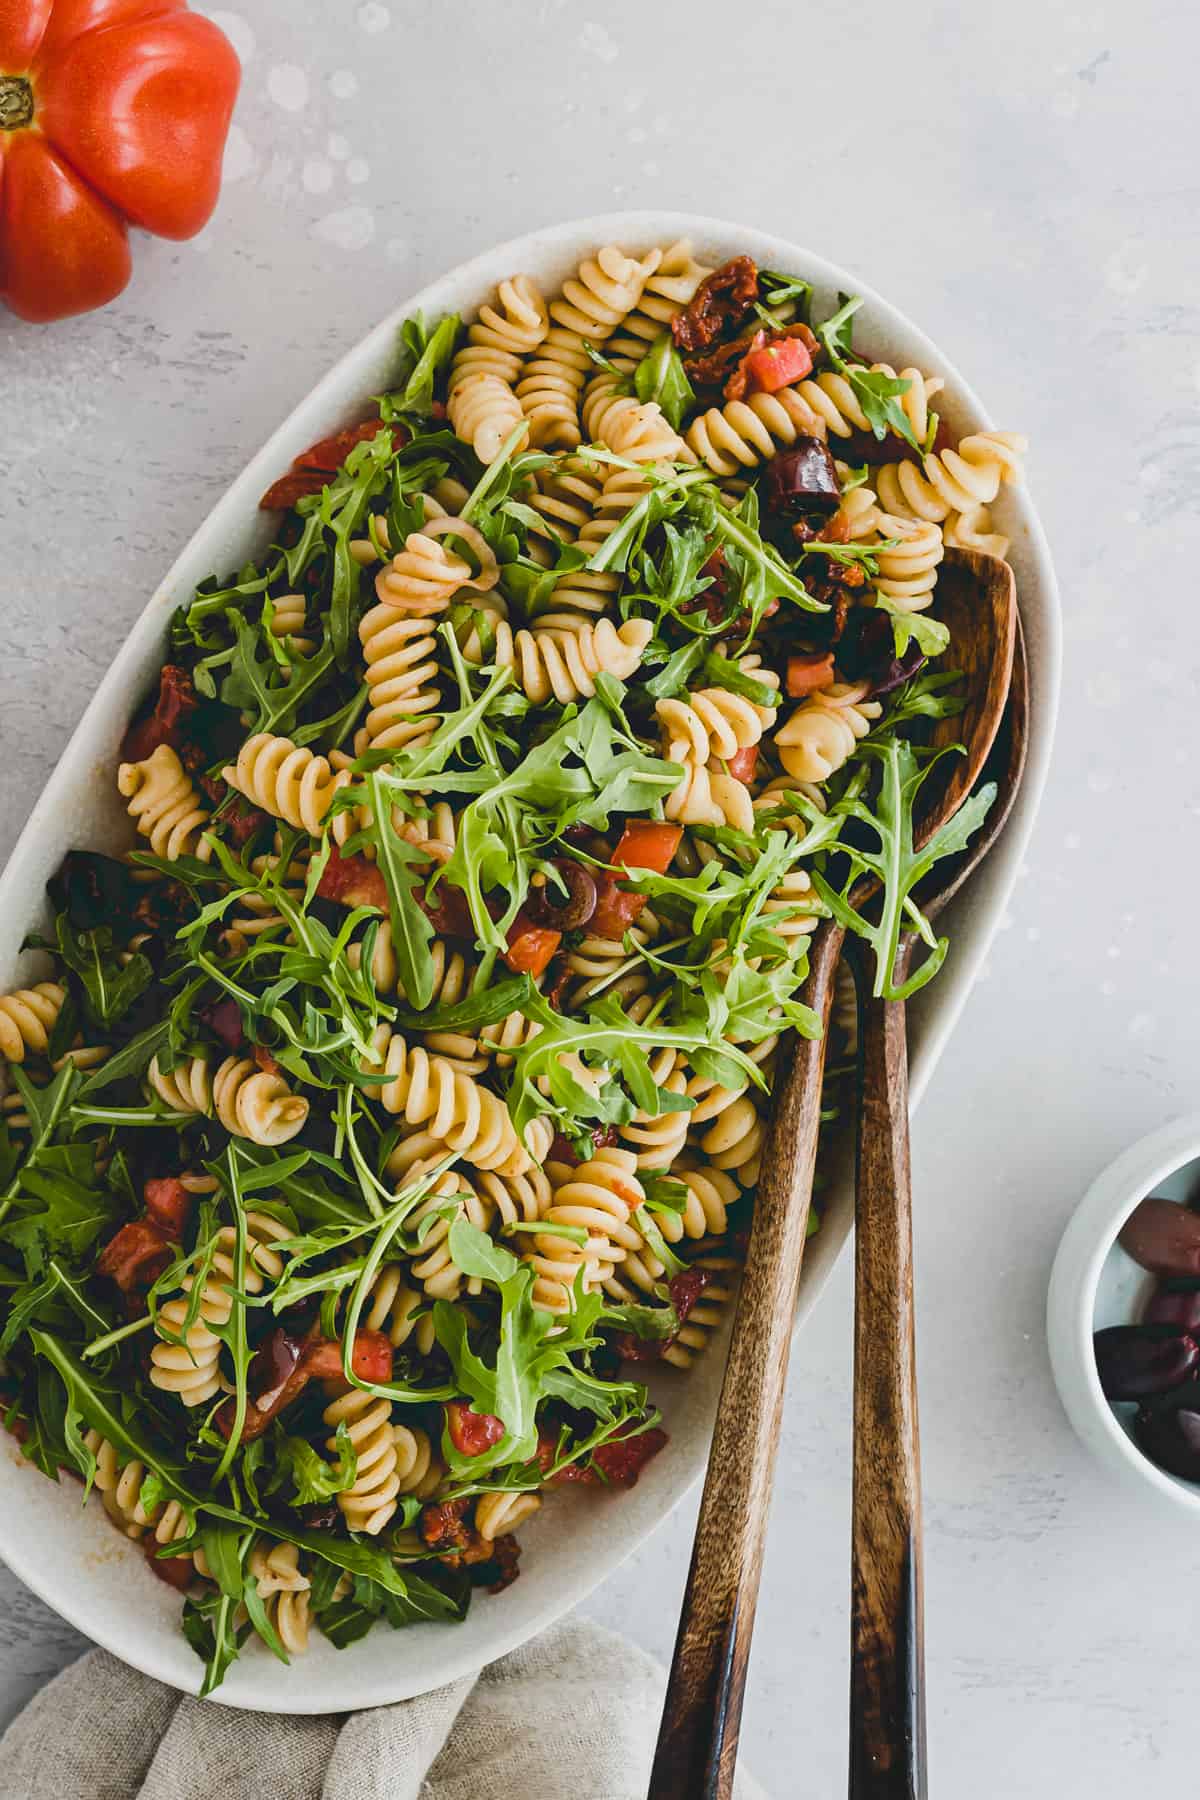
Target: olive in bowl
[1123, 1316]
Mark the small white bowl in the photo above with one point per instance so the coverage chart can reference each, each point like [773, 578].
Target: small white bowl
[1095, 1284]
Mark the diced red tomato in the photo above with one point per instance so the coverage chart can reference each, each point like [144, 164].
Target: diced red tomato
[780, 361]
[353, 881]
[136, 1256]
[621, 1460]
[371, 1359]
[168, 1204]
[530, 947]
[472, 1433]
[647, 844]
[742, 763]
[616, 907]
[265, 1060]
[806, 674]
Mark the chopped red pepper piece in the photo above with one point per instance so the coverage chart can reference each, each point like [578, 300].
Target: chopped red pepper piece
[530, 947]
[471, 1432]
[353, 881]
[742, 763]
[616, 907]
[647, 844]
[168, 1204]
[371, 1359]
[806, 674]
[136, 1256]
[778, 362]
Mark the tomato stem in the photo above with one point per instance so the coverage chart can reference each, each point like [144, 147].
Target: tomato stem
[16, 102]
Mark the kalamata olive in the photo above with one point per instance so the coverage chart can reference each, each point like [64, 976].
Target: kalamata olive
[275, 1360]
[1134, 1361]
[1170, 1438]
[94, 889]
[867, 651]
[803, 479]
[548, 906]
[1163, 1237]
[1171, 1307]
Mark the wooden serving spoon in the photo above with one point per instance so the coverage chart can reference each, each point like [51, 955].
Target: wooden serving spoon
[697, 1744]
[887, 1673]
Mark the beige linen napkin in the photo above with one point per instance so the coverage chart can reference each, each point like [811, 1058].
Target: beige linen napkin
[571, 1716]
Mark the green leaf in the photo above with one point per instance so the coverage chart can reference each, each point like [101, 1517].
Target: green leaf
[411, 931]
[110, 985]
[131, 1060]
[930, 635]
[427, 352]
[313, 1479]
[660, 377]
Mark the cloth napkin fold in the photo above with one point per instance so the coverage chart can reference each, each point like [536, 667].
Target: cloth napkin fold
[570, 1716]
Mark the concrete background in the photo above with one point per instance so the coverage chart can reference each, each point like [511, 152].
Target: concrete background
[1023, 181]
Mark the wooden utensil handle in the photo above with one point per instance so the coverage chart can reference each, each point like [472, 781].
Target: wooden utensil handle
[697, 1745]
[887, 1657]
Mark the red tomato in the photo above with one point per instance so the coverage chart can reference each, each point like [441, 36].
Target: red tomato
[112, 113]
[742, 763]
[135, 1256]
[168, 1204]
[530, 947]
[616, 908]
[647, 844]
[472, 1433]
[805, 674]
[353, 881]
[780, 361]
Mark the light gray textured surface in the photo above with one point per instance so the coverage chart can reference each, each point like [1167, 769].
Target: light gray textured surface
[1023, 181]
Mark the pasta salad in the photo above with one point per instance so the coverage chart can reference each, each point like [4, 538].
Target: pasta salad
[398, 1098]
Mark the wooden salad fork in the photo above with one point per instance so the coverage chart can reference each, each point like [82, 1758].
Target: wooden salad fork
[697, 1744]
[887, 1675]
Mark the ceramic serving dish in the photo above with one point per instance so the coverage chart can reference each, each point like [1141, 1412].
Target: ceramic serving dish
[71, 1556]
[1094, 1284]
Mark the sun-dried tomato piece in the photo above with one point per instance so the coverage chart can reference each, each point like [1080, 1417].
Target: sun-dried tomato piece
[136, 1256]
[444, 1527]
[722, 299]
[311, 470]
[165, 721]
[621, 1460]
[500, 1569]
[168, 1204]
[353, 881]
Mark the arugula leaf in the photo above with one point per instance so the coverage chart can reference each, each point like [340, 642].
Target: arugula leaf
[877, 394]
[527, 1349]
[74, 1210]
[930, 635]
[661, 377]
[428, 352]
[110, 985]
[895, 864]
[312, 1478]
[411, 931]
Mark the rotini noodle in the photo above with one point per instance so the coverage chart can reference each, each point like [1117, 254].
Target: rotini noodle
[164, 806]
